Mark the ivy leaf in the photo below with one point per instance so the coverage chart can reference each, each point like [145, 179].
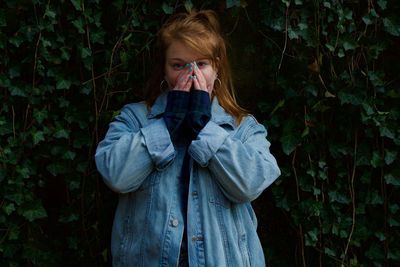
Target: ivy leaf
[77, 4]
[37, 137]
[327, 4]
[9, 208]
[330, 252]
[49, 13]
[349, 98]
[337, 196]
[349, 44]
[311, 237]
[286, 2]
[384, 131]
[167, 8]
[392, 26]
[391, 179]
[289, 139]
[232, 3]
[188, 5]
[61, 133]
[56, 168]
[393, 222]
[40, 115]
[382, 4]
[79, 25]
[17, 91]
[376, 160]
[390, 156]
[34, 213]
[69, 155]
[394, 208]
[63, 84]
[86, 52]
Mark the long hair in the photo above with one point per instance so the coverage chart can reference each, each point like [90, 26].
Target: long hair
[201, 32]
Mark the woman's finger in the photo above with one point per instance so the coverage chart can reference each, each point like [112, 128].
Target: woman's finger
[184, 80]
[201, 81]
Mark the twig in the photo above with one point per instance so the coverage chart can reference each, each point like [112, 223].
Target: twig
[353, 198]
[286, 38]
[298, 200]
[13, 114]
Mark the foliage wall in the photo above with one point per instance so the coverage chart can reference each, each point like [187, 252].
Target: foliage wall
[322, 75]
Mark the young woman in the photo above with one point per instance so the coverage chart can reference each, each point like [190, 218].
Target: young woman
[188, 161]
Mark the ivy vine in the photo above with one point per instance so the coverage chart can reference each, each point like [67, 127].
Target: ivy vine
[322, 75]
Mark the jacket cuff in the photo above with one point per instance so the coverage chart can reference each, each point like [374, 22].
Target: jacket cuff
[159, 144]
[207, 143]
[177, 101]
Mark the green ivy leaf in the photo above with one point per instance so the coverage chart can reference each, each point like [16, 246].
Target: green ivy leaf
[79, 25]
[349, 98]
[311, 237]
[392, 25]
[61, 133]
[56, 168]
[386, 132]
[232, 3]
[17, 91]
[376, 160]
[86, 52]
[289, 143]
[69, 155]
[337, 196]
[167, 8]
[349, 44]
[50, 13]
[9, 208]
[34, 213]
[63, 84]
[393, 222]
[77, 4]
[188, 5]
[40, 115]
[391, 179]
[382, 4]
[37, 137]
[390, 156]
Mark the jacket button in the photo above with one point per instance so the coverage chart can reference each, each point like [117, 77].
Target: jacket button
[197, 238]
[175, 222]
[194, 193]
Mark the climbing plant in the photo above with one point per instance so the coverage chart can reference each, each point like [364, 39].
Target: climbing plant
[321, 75]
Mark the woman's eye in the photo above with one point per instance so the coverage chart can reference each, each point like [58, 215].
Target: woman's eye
[178, 66]
[201, 63]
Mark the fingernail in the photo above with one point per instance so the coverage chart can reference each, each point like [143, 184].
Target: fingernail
[194, 77]
[189, 66]
[195, 65]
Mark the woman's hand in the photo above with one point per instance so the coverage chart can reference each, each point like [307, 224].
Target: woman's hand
[185, 79]
[200, 82]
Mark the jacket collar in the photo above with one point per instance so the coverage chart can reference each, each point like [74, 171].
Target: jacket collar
[218, 114]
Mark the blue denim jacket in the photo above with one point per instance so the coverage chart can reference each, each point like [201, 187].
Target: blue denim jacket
[230, 166]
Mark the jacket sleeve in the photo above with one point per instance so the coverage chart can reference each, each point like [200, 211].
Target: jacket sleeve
[130, 152]
[243, 167]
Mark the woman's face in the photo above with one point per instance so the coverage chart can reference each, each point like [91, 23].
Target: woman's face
[177, 56]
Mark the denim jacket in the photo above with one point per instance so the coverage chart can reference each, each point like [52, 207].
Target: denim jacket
[229, 167]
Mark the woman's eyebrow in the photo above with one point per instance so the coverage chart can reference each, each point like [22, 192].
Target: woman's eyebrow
[177, 59]
[180, 59]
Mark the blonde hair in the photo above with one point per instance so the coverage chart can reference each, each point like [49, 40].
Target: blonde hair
[200, 31]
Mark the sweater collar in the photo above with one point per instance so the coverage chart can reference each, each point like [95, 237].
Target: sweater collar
[218, 114]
